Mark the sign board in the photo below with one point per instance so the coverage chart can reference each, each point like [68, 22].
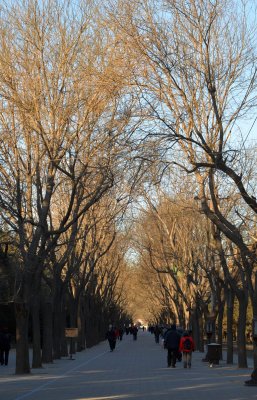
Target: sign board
[71, 332]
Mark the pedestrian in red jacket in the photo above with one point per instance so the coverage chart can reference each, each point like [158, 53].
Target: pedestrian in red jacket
[187, 346]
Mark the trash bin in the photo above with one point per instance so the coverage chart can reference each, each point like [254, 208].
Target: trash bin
[213, 353]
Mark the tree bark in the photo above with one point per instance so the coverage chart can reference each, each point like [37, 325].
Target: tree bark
[220, 330]
[253, 298]
[197, 328]
[201, 331]
[22, 344]
[81, 344]
[35, 312]
[63, 339]
[241, 341]
[56, 329]
[230, 311]
[47, 316]
[253, 380]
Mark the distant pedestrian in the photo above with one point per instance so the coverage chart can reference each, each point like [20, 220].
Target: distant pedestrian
[121, 332]
[171, 343]
[111, 337]
[186, 346]
[5, 345]
[157, 332]
[134, 332]
[117, 333]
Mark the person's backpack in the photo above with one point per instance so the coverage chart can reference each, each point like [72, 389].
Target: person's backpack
[187, 344]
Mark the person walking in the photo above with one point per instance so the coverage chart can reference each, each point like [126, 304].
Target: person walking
[5, 345]
[134, 332]
[186, 346]
[157, 332]
[111, 337]
[171, 343]
[121, 332]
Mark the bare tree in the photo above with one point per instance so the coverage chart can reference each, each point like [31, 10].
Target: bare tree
[62, 112]
[197, 74]
[171, 239]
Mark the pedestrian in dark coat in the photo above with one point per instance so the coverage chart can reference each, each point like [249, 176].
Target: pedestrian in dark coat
[5, 345]
[171, 343]
[111, 336]
[157, 332]
[134, 332]
[121, 332]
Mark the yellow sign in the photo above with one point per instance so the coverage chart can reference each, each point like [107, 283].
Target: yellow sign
[71, 332]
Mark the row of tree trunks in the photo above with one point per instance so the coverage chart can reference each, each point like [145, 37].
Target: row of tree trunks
[210, 168]
[91, 327]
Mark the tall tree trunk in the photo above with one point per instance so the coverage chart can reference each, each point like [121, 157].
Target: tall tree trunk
[230, 311]
[241, 324]
[47, 316]
[220, 325]
[22, 344]
[60, 347]
[197, 328]
[201, 331]
[254, 306]
[35, 312]
[90, 326]
[253, 380]
[63, 340]
[81, 345]
[57, 321]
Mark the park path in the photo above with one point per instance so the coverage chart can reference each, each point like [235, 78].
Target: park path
[136, 370]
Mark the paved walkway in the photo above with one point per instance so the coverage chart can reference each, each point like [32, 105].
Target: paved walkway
[136, 370]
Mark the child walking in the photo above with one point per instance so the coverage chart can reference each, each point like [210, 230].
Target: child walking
[186, 346]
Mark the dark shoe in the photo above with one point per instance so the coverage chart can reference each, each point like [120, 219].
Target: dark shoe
[173, 366]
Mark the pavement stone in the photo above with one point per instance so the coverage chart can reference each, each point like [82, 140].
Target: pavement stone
[136, 370]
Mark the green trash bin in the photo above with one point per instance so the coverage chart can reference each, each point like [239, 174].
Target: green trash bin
[213, 353]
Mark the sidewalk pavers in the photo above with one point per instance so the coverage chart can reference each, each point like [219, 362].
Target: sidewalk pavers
[135, 370]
